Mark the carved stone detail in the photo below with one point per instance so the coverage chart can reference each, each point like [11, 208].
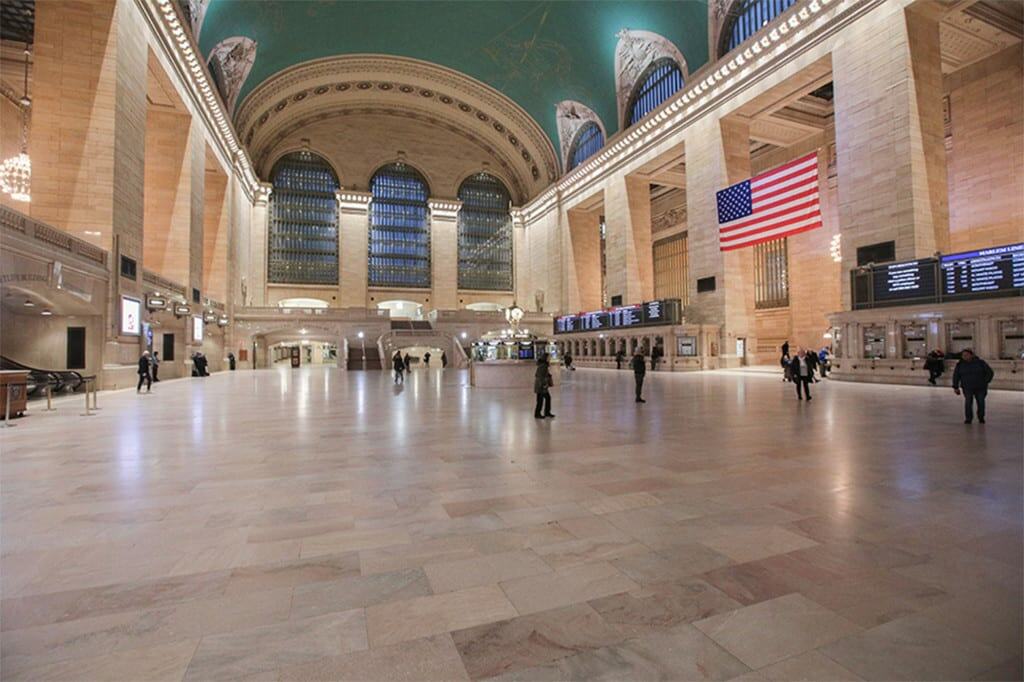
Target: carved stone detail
[635, 52]
[230, 63]
[670, 218]
[571, 116]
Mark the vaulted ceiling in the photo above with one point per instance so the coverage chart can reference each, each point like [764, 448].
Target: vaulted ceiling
[536, 53]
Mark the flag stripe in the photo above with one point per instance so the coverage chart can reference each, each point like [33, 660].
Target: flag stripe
[779, 202]
[761, 238]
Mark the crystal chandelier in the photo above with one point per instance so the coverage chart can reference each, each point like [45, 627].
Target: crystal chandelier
[16, 172]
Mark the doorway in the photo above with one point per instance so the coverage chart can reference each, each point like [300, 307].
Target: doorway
[76, 348]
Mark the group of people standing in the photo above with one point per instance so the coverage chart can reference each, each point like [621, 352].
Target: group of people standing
[800, 368]
[543, 381]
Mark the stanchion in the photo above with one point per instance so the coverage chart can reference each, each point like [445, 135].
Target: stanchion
[87, 413]
[49, 398]
[95, 399]
[7, 409]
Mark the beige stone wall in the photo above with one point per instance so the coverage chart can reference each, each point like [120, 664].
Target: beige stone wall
[585, 271]
[168, 193]
[986, 157]
[216, 211]
[41, 342]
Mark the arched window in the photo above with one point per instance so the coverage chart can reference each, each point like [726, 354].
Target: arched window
[663, 80]
[746, 17]
[485, 234]
[303, 238]
[399, 228]
[589, 140]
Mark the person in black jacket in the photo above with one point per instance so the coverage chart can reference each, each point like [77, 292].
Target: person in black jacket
[639, 370]
[620, 357]
[784, 360]
[935, 365]
[399, 366]
[812, 362]
[802, 374]
[144, 375]
[541, 384]
[973, 375]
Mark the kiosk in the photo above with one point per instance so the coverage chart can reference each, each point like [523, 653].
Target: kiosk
[507, 358]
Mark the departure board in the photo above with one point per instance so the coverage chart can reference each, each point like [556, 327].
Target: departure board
[665, 311]
[995, 271]
[913, 279]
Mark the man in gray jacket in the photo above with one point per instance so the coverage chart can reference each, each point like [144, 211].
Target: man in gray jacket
[973, 375]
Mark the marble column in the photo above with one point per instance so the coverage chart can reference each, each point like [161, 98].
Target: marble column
[259, 233]
[444, 254]
[353, 245]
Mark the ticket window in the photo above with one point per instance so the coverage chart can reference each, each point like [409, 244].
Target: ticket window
[915, 340]
[1011, 340]
[874, 342]
[960, 335]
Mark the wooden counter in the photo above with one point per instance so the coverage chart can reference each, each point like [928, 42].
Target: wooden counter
[17, 379]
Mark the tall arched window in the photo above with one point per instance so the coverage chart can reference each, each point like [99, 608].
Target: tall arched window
[589, 140]
[485, 234]
[746, 17]
[663, 80]
[303, 240]
[399, 228]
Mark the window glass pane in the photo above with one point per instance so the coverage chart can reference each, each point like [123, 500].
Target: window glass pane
[303, 240]
[771, 274]
[750, 16]
[663, 80]
[399, 248]
[485, 234]
[671, 268]
[589, 141]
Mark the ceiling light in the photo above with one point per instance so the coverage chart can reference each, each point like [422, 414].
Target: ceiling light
[29, 303]
[47, 312]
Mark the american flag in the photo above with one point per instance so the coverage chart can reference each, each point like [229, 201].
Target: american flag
[774, 204]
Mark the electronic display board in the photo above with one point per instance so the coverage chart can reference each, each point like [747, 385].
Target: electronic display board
[665, 311]
[995, 271]
[913, 279]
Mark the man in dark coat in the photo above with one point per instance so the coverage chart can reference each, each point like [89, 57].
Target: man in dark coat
[144, 375]
[639, 370]
[541, 385]
[935, 365]
[972, 375]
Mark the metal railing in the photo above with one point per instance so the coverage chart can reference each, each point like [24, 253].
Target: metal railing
[16, 221]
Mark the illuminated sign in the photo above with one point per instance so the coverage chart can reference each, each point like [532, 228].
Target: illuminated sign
[156, 302]
[131, 316]
[994, 271]
[197, 329]
[665, 311]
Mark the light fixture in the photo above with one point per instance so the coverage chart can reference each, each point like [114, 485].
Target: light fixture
[360, 335]
[835, 249]
[16, 172]
[29, 303]
[47, 312]
[463, 334]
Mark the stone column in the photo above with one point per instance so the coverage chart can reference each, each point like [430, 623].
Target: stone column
[890, 150]
[520, 262]
[630, 265]
[585, 273]
[353, 243]
[258, 245]
[444, 254]
[717, 152]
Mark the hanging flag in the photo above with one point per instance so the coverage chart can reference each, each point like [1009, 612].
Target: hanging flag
[774, 204]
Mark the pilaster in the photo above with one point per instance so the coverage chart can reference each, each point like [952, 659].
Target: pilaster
[444, 253]
[258, 245]
[353, 247]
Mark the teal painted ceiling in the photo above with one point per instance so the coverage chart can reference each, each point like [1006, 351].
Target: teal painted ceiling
[536, 53]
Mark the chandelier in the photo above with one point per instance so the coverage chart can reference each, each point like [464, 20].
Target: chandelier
[16, 172]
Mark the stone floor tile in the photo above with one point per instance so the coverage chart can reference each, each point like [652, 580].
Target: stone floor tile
[315, 599]
[574, 552]
[757, 543]
[423, 616]
[534, 640]
[616, 503]
[420, 660]
[773, 630]
[162, 663]
[663, 605]
[671, 564]
[490, 569]
[810, 666]
[568, 586]
[267, 648]
[293, 573]
[913, 648]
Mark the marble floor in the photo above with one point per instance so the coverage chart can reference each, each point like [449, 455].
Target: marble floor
[315, 524]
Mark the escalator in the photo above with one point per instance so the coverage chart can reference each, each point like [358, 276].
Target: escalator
[38, 379]
[372, 355]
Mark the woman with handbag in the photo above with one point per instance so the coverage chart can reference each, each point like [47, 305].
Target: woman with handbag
[542, 381]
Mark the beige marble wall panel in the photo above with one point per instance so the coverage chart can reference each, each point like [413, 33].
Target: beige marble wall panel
[216, 212]
[168, 195]
[986, 160]
[444, 259]
[353, 242]
[197, 187]
[585, 270]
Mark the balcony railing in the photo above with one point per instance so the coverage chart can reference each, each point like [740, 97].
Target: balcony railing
[15, 221]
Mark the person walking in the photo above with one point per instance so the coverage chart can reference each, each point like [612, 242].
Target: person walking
[812, 361]
[399, 366]
[444, 359]
[639, 370]
[542, 382]
[408, 363]
[823, 360]
[426, 359]
[784, 361]
[620, 357]
[656, 353]
[802, 374]
[936, 365]
[144, 375]
[567, 362]
[155, 366]
[972, 375]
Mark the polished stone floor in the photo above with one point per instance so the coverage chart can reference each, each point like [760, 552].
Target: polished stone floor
[318, 525]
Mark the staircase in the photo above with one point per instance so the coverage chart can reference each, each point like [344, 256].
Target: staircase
[371, 355]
